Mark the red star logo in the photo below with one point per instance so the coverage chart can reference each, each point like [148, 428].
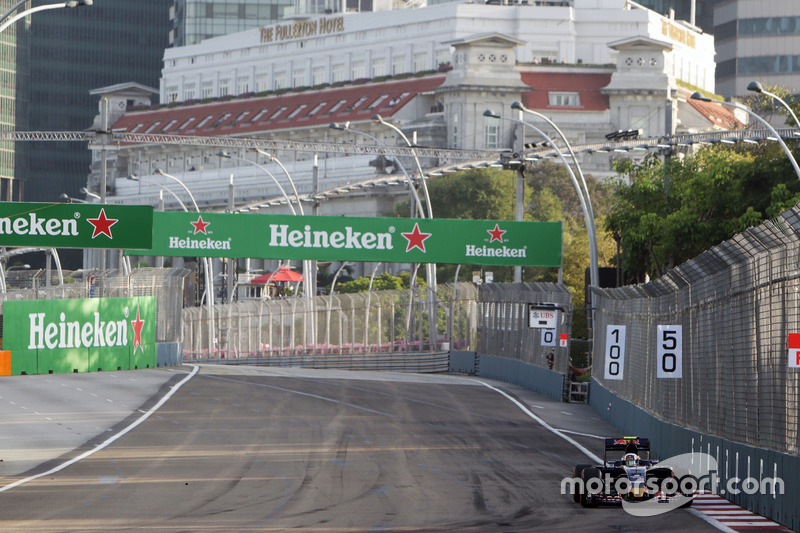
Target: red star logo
[496, 233]
[200, 226]
[102, 224]
[137, 324]
[416, 239]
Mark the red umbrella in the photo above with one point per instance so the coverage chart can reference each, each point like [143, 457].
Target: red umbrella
[282, 274]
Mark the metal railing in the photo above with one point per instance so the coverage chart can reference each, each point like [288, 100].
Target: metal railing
[737, 304]
[504, 331]
[378, 322]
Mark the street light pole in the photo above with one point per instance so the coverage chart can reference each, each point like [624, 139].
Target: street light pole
[6, 21]
[308, 290]
[86, 192]
[309, 281]
[416, 203]
[379, 120]
[756, 87]
[699, 96]
[430, 268]
[285, 171]
[518, 106]
[208, 267]
[594, 271]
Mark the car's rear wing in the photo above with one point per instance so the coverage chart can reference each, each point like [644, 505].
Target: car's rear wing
[625, 445]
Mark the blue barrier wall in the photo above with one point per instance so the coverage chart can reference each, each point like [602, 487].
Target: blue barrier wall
[531, 377]
[734, 460]
[169, 354]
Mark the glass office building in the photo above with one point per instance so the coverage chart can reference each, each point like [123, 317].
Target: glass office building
[73, 51]
[704, 11]
[195, 20]
[14, 79]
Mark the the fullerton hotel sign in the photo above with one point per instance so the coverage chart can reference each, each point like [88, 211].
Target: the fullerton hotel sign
[302, 29]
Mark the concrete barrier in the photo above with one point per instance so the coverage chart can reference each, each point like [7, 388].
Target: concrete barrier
[734, 460]
[169, 354]
[531, 377]
[5, 363]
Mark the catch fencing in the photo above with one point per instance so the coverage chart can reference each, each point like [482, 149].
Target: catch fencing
[736, 305]
[166, 284]
[504, 330]
[331, 329]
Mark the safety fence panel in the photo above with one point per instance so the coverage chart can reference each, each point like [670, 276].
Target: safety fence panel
[504, 330]
[736, 305]
[376, 322]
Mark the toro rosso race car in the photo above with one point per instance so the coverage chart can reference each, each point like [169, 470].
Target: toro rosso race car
[634, 477]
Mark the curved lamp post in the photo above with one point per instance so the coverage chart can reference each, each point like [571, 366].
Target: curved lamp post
[756, 87]
[379, 120]
[64, 197]
[226, 155]
[307, 289]
[86, 192]
[209, 274]
[6, 21]
[3, 273]
[699, 96]
[519, 107]
[430, 268]
[163, 187]
[414, 194]
[594, 271]
[285, 171]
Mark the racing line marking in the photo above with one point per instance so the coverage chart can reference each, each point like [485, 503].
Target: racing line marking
[110, 440]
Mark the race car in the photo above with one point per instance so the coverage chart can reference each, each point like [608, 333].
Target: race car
[635, 477]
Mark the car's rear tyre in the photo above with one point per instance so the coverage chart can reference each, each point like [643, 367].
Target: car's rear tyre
[589, 473]
[577, 488]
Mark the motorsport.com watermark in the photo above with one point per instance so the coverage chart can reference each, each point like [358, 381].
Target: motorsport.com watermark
[693, 473]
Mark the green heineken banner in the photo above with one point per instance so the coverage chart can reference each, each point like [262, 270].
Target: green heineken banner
[326, 238]
[75, 225]
[82, 335]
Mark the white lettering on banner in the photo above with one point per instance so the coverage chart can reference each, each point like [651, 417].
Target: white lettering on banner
[204, 244]
[281, 237]
[63, 334]
[486, 251]
[35, 225]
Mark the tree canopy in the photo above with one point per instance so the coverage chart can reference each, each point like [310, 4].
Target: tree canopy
[666, 212]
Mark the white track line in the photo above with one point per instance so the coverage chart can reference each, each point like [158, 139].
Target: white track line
[709, 519]
[544, 424]
[110, 440]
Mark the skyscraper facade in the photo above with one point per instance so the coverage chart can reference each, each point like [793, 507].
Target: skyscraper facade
[698, 12]
[757, 41]
[14, 78]
[73, 51]
[195, 20]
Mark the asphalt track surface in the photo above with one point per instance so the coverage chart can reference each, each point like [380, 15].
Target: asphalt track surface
[257, 449]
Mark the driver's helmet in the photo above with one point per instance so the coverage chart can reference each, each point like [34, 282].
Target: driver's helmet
[630, 459]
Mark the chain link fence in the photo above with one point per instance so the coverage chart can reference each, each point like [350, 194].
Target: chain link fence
[736, 304]
[503, 329]
[377, 322]
[166, 284]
